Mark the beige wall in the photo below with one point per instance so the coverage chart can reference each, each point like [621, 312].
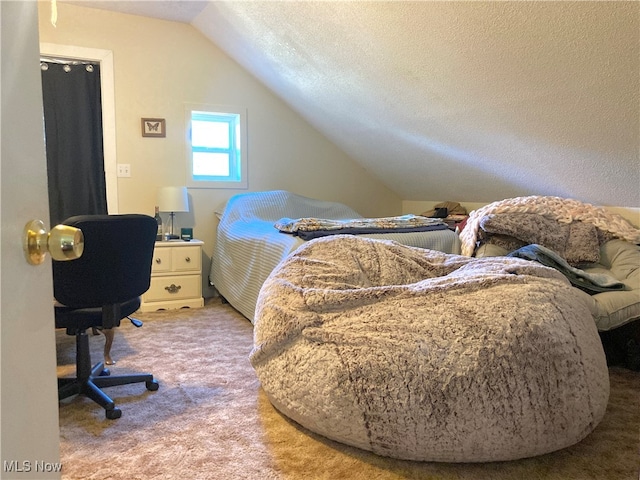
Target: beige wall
[159, 66]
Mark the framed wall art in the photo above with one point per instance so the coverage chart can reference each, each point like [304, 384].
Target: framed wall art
[153, 127]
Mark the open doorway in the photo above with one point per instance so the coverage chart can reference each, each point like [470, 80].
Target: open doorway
[105, 59]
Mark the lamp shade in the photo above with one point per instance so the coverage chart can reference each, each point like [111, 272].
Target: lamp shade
[173, 199]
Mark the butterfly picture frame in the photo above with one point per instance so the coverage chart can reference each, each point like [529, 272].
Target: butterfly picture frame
[153, 127]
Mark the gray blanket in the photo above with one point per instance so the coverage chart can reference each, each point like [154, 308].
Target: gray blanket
[589, 282]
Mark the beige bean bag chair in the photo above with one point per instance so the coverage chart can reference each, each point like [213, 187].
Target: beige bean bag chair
[420, 355]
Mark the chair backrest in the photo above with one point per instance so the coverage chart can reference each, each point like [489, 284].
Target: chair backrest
[115, 265]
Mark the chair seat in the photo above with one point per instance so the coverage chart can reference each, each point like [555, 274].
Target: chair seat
[84, 318]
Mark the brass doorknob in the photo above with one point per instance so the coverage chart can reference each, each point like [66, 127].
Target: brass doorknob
[62, 242]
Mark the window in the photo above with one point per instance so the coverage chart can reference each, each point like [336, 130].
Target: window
[216, 147]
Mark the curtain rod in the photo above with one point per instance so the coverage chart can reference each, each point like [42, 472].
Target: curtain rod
[67, 61]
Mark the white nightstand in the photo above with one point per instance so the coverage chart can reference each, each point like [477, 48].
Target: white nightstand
[176, 276]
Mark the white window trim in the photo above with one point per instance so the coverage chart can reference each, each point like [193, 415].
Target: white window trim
[244, 164]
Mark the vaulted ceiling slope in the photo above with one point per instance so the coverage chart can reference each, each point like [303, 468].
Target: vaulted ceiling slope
[466, 101]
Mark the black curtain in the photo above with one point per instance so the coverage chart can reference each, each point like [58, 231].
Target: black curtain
[73, 131]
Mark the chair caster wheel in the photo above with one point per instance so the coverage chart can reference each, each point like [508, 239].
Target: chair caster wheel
[152, 385]
[113, 413]
[105, 372]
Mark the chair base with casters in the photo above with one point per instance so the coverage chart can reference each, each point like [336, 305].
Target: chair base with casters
[90, 380]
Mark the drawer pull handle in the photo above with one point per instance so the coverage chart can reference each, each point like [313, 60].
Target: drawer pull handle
[158, 261]
[173, 288]
[187, 259]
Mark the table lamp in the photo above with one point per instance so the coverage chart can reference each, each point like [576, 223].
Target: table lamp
[173, 199]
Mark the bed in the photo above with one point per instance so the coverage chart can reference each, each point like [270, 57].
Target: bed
[249, 246]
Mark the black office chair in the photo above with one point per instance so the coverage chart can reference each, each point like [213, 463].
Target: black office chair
[99, 289]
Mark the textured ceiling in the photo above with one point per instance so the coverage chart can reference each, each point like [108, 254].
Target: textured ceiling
[466, 101]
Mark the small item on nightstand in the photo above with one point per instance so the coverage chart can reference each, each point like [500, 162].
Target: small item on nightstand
[158, 219]
[186, 234]
[452, 213]
[440, 213]
[450, 208]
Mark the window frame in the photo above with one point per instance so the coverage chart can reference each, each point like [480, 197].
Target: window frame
[238, 169]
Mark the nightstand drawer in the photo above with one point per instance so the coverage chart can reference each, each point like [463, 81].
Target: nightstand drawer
[173, 288]
[185, 259]
[161, 260]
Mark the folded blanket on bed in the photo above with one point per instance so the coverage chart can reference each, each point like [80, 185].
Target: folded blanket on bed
[589, 282]
[576, 242]
[309, 228]
[564, 210]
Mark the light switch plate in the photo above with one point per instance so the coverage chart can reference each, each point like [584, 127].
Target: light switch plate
[124, 170]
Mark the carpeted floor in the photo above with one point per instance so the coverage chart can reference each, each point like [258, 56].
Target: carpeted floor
[211, 420]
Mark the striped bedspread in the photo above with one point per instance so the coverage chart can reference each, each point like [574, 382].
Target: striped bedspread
[249, 246]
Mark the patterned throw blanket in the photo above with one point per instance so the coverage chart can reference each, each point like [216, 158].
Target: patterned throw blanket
[576, 242]
[309, 228]
[560, 209]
